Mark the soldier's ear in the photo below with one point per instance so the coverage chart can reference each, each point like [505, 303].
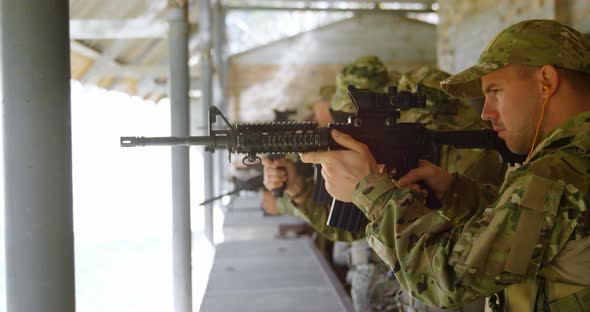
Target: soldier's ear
[550, 79]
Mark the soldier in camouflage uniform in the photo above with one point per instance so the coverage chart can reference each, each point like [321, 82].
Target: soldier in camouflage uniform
[528, 246]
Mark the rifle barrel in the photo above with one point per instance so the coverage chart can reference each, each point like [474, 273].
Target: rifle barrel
[174, 141]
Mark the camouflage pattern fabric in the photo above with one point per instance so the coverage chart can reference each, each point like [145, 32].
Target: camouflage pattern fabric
[429, 79]
[477, 245]
[394, 78]
[441, 111]
[531, 42]
[367, 72]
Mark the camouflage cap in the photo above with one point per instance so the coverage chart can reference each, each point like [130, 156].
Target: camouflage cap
[325, 93]
[394, 77]
[429, 78]
[367, 72]
[531, 42]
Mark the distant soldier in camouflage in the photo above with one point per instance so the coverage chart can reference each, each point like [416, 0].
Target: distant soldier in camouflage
[365, 72]
[528, 247]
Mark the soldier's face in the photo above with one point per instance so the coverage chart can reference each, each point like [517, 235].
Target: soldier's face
[512, 105]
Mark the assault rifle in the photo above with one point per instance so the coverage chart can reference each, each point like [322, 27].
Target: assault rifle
[397, 145]
[252, 184]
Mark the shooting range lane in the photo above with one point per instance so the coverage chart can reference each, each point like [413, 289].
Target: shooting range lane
[253, 271]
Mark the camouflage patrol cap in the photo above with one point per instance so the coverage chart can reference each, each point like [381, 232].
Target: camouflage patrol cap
[394, 77]
[367, 72]
[429, 78]
[531, 42]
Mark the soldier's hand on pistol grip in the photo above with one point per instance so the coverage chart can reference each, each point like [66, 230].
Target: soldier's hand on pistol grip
[275, 176]
[438, 180]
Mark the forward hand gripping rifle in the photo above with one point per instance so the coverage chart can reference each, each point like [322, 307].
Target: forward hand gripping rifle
[397, 145]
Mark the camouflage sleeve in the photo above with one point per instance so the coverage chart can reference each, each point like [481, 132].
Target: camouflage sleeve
[448, 265]
[316, 215]
[284, 208]
[466, 198]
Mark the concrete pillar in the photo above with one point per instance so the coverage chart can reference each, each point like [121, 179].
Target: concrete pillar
[221, 60]
[37, 156]
[219, 43]
[180, 116]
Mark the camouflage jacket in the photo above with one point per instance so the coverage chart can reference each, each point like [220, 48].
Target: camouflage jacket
[477, 244]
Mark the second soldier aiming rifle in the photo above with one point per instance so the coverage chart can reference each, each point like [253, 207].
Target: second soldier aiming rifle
[375, 123]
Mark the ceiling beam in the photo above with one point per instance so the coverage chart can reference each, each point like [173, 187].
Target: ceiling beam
[136, 28]
[138, 71]
[315, 9]
[279, 2]
[117, 29]
[84, 49]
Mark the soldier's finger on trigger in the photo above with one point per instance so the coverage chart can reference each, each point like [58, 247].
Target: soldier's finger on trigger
[415, 175]
[416, 187]
[325, 172]
[316, 157]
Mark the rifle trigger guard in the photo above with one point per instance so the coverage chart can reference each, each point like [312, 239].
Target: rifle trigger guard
[251, 160]
[389, 122]
[357, 122]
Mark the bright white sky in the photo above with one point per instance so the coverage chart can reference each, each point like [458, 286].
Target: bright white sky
[122, 205]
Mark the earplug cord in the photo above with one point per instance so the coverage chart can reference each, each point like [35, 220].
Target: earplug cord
[546, 89]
